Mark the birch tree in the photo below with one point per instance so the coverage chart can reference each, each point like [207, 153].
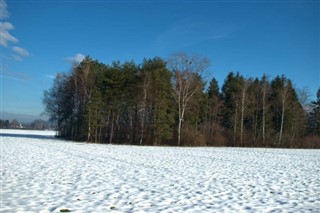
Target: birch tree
[186, 70]
[280, 89]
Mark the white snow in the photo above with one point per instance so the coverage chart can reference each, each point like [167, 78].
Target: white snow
[43, 174]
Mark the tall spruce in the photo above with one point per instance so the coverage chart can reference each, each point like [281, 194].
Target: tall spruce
[232, 91]
[213, 109]
[161, 101]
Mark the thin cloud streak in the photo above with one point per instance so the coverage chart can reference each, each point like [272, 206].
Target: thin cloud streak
[20, 51]
[18, 76]
[188, 32]
[5, 36]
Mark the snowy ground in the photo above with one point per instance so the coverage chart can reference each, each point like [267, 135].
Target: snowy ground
[42, 174]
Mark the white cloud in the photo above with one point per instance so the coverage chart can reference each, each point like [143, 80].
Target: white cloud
[187, 32]
[4, 13]
[20, 51]
[5, 36]
[75, 60]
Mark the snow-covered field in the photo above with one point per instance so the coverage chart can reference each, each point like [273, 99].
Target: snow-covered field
[42, 174]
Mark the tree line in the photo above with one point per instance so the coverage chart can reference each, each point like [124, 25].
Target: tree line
[37, 124]
[169, 103]
[4, 124]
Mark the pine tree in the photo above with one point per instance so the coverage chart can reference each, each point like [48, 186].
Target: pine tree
[232, 97]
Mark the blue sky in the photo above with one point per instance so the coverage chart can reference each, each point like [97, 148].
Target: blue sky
[42, 38]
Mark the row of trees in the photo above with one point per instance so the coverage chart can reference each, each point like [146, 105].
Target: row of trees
[4, 124]
[37, 124]
[166, 103]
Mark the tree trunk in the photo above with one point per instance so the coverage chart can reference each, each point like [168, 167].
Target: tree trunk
[89, 131]
[242, 114]
[112, 127]
[99, 137]
[179, 131]
[293, 132]
[281, 125]
[144, 104]
[96, 135]
[263, 121]
[235, 126]
[131, 125]
[118, 126]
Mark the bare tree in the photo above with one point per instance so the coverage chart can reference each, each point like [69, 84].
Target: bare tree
[187, 71]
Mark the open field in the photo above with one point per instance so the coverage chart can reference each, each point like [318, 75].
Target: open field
[43, 174]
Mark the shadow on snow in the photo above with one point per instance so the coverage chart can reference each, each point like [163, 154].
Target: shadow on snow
[27, 136]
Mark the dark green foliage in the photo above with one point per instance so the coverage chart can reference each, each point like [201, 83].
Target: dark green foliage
[231, 94]
[314, 116]
[105, 104]
[213, 113]
[4, 124]
[162, 116]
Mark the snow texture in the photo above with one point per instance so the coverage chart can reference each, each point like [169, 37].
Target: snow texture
[42, 174]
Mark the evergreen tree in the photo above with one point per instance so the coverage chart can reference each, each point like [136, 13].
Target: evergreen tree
[314, 116]
[161, 102]
[131, 92]
[213, 109]
[231, 93]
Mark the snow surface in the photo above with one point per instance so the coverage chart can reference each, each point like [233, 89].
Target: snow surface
[42, 174]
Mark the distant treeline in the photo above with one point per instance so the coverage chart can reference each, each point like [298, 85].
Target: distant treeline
[169, 103]
[37, 124]
[4, 124]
